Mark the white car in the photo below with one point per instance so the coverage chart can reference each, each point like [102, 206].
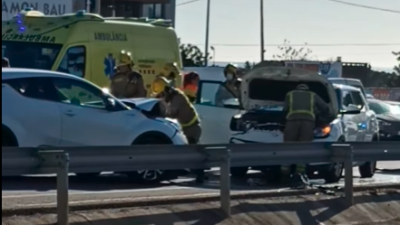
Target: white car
[47, 108]
[259, 117]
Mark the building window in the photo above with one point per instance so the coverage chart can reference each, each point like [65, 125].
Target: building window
[152, 10]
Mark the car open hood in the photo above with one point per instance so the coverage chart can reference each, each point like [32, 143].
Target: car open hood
[281, 74]
[142, 103]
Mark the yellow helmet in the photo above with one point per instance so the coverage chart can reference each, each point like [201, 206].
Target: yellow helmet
[125, 58]
[230, 68]
[159, 85]
[170, 70]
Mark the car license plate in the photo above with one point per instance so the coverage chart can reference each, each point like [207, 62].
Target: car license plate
[398, 133]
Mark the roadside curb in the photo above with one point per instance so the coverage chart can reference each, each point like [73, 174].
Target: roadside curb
[187, 199]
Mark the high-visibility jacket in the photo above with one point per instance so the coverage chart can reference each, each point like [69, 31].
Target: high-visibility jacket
[180, 108]
[300, 105]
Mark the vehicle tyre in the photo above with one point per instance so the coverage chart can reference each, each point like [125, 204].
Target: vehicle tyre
[332, 173]
[151, 176]
[367, 170]
[239, 172]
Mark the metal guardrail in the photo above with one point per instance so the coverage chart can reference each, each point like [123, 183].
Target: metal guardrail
[64, 160]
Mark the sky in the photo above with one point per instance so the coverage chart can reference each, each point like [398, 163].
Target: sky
[234, 22]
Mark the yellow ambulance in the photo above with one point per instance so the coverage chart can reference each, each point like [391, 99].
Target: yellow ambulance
[87, 45]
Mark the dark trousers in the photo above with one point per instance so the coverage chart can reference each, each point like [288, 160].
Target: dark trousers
[298, 131]
[199, 172]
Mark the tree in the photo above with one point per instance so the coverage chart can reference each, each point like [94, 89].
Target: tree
[192, 56]
[394, 79]
[291, 53]
[397, 68]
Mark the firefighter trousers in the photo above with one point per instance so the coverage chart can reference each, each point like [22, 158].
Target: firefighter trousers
[193, 134]
[297, 131]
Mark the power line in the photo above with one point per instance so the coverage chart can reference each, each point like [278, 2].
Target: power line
[188, 2]
[365, 6]
[308, 45]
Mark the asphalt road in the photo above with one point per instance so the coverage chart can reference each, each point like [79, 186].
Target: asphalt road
[34, 190]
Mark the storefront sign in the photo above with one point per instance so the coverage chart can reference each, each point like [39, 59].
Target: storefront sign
[48, 7]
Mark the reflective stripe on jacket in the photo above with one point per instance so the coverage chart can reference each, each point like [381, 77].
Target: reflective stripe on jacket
[181, 108]
[301, 105]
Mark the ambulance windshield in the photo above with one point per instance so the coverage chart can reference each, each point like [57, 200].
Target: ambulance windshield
[30, 55]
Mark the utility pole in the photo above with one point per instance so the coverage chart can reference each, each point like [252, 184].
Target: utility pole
[207, 33]
[262, 29]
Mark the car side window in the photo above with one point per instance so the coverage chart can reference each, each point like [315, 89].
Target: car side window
[74, 61]
[215, 94]
[35, 87]
[79, 93]
[358, 99]
[346, 99]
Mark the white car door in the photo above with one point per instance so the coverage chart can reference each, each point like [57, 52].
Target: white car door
[86, 121]
[30, 104]
[350, 121]
[215, 120]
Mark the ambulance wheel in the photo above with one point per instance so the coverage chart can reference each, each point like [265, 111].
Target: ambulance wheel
[151, 176]
[239, 172]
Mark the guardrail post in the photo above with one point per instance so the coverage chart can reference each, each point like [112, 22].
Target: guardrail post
[225, 183]
[58, 161]
[344, 153]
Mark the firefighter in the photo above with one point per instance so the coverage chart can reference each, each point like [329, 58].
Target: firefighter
[5, 63]
[231, 87]
[190, 85]
[171, 72]
[178, 106]
[302, 106]
[126, 83]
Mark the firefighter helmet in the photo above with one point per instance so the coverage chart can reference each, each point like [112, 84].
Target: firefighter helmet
[125, 58]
